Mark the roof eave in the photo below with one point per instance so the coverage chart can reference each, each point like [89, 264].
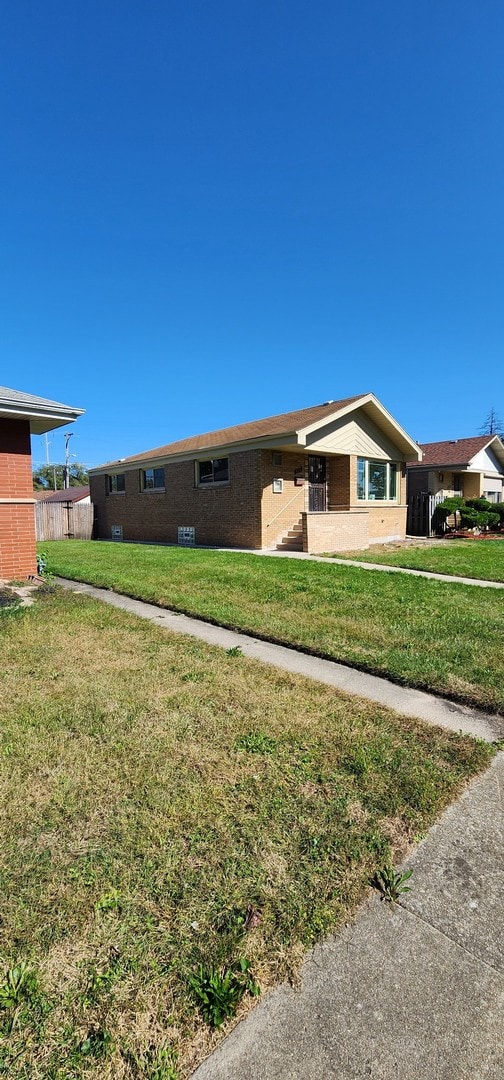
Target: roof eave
[260, 443]
[40, 420]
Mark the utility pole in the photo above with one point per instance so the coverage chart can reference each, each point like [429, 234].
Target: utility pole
[66, 481]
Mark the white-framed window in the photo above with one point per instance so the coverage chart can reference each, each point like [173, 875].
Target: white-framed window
[212, 471]
[376, 480]
[152, 479]
[277, 486]
[116, 484]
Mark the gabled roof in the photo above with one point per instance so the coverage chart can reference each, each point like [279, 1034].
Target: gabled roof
[285, 427]
[71, 494]
[43, 414]
[458, 453]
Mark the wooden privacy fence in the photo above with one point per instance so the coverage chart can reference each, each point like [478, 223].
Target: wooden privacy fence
[63, 521]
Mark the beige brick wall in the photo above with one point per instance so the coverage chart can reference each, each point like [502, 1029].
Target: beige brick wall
[227, 514]
[280, 511]
[339, 530]
[340, 481]
[386, 523]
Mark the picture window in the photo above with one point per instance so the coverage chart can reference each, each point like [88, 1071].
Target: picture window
[376, 480]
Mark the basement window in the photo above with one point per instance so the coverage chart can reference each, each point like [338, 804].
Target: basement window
[376, 480]
[116, 484]
[214, 471]
[152, 480]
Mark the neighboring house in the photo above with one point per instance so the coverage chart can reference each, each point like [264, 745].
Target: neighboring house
[327, 478]
[74, 495]
[21, 415]
[468, 467]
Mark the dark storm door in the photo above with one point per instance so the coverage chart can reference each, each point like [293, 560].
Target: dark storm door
[316, 483]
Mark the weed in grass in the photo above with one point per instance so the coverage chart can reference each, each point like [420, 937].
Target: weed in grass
[21, 997]
[18, 983]
[235, 650]
[256, 742]
[218, 992]
[110, 901]
[154, 1063]
[99, 982]
[391, 883]
[97, 1043]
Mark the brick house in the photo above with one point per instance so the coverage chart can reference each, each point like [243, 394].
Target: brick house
[327, 478]
[468, 467]
[22, 415]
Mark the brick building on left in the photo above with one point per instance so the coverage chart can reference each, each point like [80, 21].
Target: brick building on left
[22, 415]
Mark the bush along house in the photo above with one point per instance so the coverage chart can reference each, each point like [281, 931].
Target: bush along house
[327, 478]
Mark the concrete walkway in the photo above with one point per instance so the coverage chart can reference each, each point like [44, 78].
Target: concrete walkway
[328, 560]
[415, 991]
[410, 702]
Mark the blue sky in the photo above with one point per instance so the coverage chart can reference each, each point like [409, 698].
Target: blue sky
[218, 211]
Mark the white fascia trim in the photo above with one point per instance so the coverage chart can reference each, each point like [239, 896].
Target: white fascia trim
[26, 413]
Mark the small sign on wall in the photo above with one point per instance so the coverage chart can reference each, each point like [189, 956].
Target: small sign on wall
[186, 535]
[116, 532]
[277, 486]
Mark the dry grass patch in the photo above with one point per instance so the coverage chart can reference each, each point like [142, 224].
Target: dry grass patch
[156, 792]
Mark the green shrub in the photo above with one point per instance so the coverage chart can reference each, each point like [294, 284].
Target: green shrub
[469, 513]
[480, 504]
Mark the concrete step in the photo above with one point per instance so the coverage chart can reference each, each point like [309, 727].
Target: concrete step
[290, 545]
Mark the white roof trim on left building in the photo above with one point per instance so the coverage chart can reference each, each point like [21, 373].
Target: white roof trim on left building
[42, 414]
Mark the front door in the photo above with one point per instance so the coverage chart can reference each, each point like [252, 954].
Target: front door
[316, 483]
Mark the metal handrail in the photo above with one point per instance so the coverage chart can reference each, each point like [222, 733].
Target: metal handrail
[286, 507]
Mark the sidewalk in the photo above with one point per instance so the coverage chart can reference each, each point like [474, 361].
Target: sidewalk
[404, 699]
[415, 991]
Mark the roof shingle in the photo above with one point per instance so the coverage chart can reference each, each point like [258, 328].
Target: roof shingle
[282, 424]
[451, 452]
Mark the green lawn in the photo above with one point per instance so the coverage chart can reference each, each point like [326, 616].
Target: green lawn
[155, 791]
[466, 558]
[430, 634]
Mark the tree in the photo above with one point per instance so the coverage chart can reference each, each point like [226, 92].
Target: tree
[492, 424]
[51, 477]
